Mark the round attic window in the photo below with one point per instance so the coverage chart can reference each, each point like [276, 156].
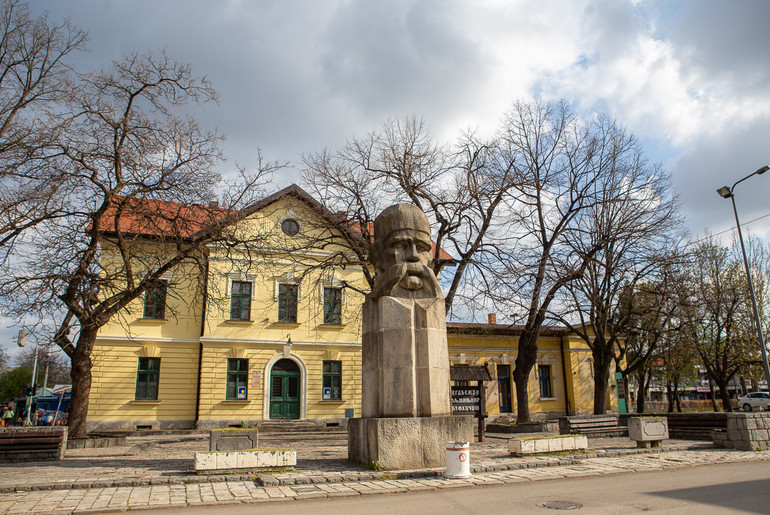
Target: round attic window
[290, 227]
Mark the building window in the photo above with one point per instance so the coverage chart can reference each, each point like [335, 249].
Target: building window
[240, 300]
[237, 378]
[155, 300]
[287, 303]
[147, 378]
[290, 227]
[544, 374]
[333, 306]
[332, 381]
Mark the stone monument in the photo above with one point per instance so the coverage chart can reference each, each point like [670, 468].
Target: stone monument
[406, 411]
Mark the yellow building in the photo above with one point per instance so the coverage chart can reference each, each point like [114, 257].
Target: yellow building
[269, 334]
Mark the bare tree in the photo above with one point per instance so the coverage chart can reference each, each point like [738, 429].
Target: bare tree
[646, 318]
[719, 320]
[141, 176]
[34, 80]
[54, 364]
[633, 222]
[558, 168]
[677, 366]
[461, 188]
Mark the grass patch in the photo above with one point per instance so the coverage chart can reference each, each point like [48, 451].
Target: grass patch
[248, 450]
[541, 437]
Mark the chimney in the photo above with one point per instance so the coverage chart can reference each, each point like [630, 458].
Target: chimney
[214, 204]
[492, 318]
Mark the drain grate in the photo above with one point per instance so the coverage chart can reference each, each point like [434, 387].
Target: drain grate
[560, 505]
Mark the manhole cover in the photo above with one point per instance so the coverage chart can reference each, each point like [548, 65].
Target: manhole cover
[560, 505]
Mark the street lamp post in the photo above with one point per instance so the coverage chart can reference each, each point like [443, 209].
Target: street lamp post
[726, 192]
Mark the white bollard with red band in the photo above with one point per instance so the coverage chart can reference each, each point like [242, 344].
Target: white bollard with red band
[458, 460]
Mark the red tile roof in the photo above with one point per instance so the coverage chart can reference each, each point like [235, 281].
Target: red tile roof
[158, 218]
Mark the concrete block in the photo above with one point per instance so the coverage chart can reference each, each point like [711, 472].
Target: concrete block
[208, 462]
[205, 461]
[227, 460]
[557, 444]
[740, 445]
[525, 446]
[648, 429]
[246, 460]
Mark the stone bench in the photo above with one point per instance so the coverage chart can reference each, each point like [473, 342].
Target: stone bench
[21, 444]
[219, 462]
[592, 426]
[548, 426]
[648, 431]
[687, 426]
[546, 444]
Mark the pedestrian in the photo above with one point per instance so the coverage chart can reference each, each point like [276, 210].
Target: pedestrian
[8, 416]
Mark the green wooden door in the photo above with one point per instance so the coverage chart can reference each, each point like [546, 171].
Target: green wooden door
[284, 390]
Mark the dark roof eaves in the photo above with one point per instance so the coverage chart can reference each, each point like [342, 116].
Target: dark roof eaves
[499, 329]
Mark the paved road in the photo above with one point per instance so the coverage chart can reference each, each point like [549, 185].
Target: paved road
[717, 489]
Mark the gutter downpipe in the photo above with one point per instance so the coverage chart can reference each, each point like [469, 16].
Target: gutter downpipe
[200, 342]
[564, 377]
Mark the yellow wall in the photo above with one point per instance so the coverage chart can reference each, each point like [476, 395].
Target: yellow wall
[114, 384]
[478, 349]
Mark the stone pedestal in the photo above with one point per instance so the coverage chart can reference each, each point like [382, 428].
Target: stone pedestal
[406, 412]
[406, 442]
[405, 358]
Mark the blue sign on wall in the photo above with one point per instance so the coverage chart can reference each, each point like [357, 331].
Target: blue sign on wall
[241, 392]
[327, 393]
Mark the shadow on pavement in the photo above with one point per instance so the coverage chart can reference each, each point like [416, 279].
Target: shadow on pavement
[749, 496]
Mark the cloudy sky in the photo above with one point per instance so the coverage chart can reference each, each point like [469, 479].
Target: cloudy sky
[689, 78]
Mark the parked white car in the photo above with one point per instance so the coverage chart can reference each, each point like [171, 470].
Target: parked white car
[754, 401]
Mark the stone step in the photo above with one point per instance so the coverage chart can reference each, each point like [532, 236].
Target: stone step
[297, 426]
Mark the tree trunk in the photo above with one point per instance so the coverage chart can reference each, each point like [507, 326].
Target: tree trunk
[724, 396]
[676, 396]
[81, 383]
[670, 396]
[742, 380]
[602, 364]
[641, 395]
[525, 361]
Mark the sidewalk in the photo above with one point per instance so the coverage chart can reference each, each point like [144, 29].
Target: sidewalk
[157, 471]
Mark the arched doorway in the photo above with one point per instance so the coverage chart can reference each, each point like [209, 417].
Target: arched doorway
[285, 390]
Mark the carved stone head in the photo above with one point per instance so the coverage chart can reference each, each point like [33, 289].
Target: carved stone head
[402, 240]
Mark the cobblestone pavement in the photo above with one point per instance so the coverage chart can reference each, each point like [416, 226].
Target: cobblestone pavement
[157, 471]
